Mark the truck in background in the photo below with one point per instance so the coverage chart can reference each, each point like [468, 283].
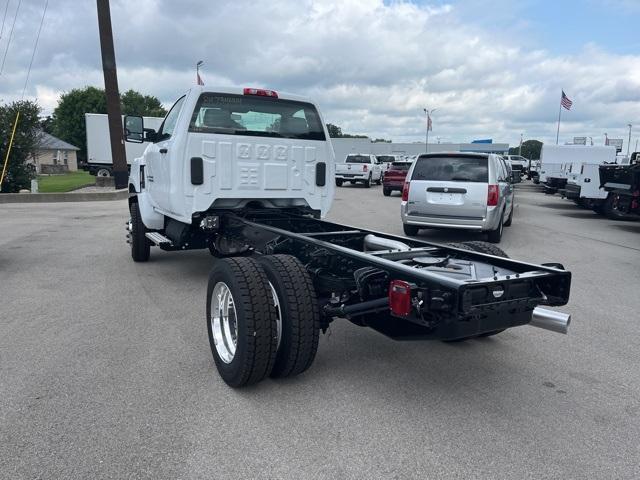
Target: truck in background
[99, 160]
[622, 182]
[557, 161]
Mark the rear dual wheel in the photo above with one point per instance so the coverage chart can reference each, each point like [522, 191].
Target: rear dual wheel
[262, 318]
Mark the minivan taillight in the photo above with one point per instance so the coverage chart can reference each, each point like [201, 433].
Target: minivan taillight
[405, 192]
[364, 168]
[492, 196]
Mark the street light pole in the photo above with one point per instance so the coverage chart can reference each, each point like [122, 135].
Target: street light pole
[520, 146]
[629, 143]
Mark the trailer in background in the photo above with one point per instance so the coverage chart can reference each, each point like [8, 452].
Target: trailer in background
[99, 159]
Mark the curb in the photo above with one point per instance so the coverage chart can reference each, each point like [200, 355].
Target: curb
[63, 197]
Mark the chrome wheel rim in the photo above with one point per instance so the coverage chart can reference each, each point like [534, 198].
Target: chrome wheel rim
[224, 322]
[276, 304]
[103, 172]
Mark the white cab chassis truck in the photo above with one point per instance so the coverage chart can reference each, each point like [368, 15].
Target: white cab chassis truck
[248, 174]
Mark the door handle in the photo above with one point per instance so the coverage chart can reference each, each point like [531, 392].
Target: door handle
[163, 150]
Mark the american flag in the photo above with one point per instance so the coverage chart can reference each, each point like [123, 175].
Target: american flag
[429, 124]
[565, 102]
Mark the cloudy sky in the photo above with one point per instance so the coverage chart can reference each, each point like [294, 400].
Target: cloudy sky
[493, 69]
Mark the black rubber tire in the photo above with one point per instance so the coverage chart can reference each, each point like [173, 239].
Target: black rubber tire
[140, 244]
[299, 312]
[609, 210]
[379, 181]
[410, 230]
[386, 191]
[338, 182]
[367, 182]
[509, 220]
[486, 247]
[257, 338]
[494, 236]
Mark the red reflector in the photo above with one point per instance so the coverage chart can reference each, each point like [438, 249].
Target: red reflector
[400, 298]
[364, 168]
[405, 192]
[260, 92]
[492, 196]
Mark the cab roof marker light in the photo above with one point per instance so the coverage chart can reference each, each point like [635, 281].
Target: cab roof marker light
[260, 92]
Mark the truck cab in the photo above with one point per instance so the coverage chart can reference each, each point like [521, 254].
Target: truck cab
[225, 148]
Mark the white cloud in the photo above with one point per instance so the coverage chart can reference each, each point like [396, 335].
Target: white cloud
[372, 65]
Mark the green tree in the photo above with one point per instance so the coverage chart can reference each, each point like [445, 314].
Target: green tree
[530, 149]
[46, 124]
[68, 117]
[19, 171]
[334, 130]
[134, 103]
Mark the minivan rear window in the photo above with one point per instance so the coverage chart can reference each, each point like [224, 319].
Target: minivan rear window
[358, 159]
[250, 115]
[452, 169]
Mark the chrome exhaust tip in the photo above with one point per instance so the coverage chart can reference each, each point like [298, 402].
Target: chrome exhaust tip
[550, 320]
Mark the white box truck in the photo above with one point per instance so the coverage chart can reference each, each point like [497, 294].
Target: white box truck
[99, 160]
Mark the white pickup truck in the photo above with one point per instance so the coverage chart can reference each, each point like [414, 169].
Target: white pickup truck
[247, 174]
[362, 168]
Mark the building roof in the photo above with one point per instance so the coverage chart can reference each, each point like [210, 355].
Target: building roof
[49, 142]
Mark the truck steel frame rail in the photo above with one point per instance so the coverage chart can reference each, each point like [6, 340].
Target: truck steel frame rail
[403, 288]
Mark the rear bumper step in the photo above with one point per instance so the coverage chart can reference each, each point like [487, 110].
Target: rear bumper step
[159, 239]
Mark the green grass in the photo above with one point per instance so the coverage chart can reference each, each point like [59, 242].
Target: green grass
[64, 183]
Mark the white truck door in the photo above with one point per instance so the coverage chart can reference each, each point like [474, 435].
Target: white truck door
[158, 159]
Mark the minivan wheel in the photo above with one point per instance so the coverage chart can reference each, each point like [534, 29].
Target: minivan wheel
[507, 223]
[410, 230]
[386, 191]
[495, 236]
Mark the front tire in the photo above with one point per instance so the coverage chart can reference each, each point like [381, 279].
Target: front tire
[140, 244]
[241, 321]
[338, 182]
[299, 313]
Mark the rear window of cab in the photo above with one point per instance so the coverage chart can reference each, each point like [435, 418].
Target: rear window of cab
[358, 159]
[452, 169]
[251, 115]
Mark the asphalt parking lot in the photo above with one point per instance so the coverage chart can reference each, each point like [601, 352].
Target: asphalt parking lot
[106, 372]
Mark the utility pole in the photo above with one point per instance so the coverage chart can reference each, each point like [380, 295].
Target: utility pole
[120, 171]
[629, 144]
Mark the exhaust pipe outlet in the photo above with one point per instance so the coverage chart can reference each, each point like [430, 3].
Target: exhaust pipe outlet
[550, 320]
[373, 242]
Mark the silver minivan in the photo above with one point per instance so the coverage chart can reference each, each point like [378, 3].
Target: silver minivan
[470, 191]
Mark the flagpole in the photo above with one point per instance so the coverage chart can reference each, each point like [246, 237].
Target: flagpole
[559, 114]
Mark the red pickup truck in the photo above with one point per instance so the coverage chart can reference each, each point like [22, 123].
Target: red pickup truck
[394, 177]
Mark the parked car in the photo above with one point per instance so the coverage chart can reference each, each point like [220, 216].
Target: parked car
[386, 161]
[519, 163]
[363, 168]
[395, 177]
[469, 191]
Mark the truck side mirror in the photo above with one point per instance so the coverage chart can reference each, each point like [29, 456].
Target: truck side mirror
[133, 129]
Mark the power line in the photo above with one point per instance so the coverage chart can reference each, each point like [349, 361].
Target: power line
[35, 47]
[15, 17]
[4, 18]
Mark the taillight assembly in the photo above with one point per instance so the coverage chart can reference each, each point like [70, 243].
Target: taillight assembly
[260, 92]
[405, 192]
[365, 168]
[400, 298]
[492, 196]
